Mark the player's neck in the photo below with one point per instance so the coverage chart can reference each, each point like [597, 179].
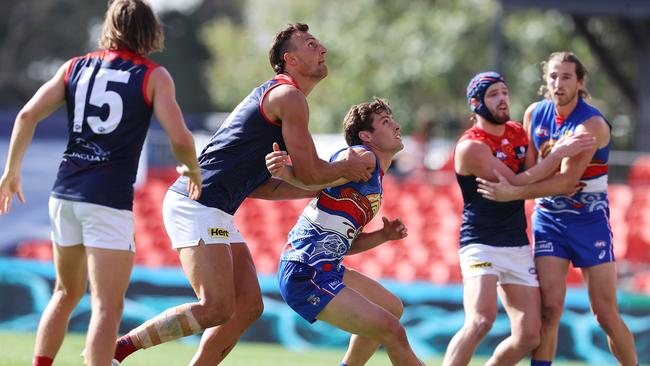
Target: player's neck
[306, 84]
[489, 127]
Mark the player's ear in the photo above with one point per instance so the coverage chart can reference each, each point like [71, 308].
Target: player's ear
[474, 102]
[365, 136]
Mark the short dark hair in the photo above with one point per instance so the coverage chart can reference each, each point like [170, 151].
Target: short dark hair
[281, 45]
[581, 71]
[359, 118]
[131, 24]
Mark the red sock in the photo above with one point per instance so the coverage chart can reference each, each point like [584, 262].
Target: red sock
[124, 347]
[42, 361]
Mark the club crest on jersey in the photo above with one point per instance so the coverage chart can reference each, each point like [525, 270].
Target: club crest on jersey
[216, 232]
[541, 132]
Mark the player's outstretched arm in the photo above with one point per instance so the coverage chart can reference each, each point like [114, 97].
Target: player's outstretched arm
[163, 94]
[392, 230]
[49, 97]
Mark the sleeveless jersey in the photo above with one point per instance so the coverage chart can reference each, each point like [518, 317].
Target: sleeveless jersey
[501, 224]
[546, 131]
[108, 119]
[233, 164]
[329, 224]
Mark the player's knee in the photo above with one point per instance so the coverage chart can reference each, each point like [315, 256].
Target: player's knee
[211, 313]
[480, 325]
[252, 310]
[393, 332]
[395, 306]
[606, 318]
[68, 296]
[552, 311]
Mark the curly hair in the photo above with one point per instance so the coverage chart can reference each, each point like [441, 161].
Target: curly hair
[281, 45]
[132, 25]
[581, 72]
[359, 118]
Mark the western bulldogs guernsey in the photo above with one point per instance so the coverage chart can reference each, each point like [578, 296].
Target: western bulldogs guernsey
[232, 164]
[108, 119]
[488, 222]
[574, 227]
[546, 130]
[330, 222]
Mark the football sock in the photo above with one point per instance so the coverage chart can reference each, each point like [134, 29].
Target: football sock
[172, 324]
[124, 347]
[42, 361]
[540, 363]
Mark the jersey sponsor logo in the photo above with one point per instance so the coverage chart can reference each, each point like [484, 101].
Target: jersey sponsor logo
[543, 247]
[335, 284]
[216, 232]
[600, 244]
[602, 253]
[521, 152]
[479, 265]
[314, 300]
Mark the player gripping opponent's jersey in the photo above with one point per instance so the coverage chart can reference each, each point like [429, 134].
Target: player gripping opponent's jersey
[310, 271]
[572, 227]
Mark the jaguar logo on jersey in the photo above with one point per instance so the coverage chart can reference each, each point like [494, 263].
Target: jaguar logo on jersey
[314, 300]
[479, 265]
[521, 152]
[217, 232]
[541, 132]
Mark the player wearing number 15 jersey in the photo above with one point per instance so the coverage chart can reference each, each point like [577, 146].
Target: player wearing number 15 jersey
[110, 96]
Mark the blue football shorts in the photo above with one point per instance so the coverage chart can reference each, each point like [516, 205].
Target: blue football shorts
[585, 239]
[307, 290]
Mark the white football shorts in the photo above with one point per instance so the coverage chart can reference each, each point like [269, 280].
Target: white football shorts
[512, 265]
[90, 224]
[187, 222]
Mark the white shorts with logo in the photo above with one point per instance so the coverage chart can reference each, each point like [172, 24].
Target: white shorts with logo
[187, 222]
[90, 224]
[512, 265]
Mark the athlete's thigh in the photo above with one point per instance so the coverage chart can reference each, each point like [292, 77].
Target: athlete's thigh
[480, 296]
[246, 284]
[352, 312]
[601, 283]
[523, 306]
[109, 271]
[373, 291]
[551, 274]
[209, 268]
[71, 268]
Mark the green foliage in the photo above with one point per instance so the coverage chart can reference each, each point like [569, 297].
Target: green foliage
[418, 54]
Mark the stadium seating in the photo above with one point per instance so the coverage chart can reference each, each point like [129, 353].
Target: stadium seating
[430, 211]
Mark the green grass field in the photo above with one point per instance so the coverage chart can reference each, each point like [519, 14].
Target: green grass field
[16, 350]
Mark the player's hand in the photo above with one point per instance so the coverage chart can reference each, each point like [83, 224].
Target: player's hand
[500, 191]
[571, 145]
[358, 169]
[10, 185]
[394, 229]
[195, 183]
[277, 161]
